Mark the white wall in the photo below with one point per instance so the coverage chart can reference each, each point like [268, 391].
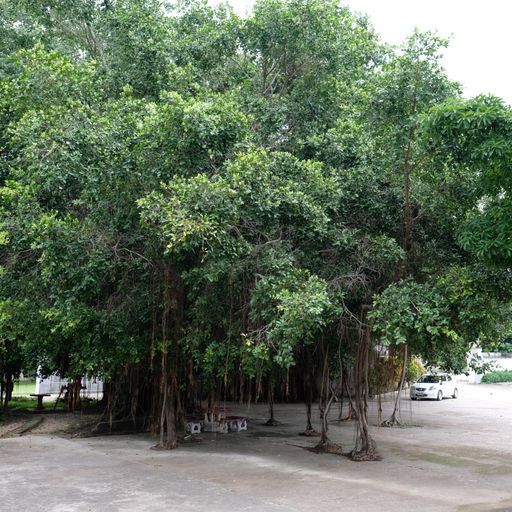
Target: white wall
[53, 384]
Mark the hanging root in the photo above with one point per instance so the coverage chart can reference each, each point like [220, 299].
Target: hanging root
[326, 447]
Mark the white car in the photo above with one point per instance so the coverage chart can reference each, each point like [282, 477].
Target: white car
[436, 386]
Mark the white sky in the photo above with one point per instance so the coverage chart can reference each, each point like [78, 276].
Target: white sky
[480, 51]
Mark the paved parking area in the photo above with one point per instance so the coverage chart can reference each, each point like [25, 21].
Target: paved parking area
[456, 455]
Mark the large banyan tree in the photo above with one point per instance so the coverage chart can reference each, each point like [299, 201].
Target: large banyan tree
[197, 206]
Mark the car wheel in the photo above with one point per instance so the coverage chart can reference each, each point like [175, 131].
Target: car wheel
[439, 396]
[455, 393]
[413, 398]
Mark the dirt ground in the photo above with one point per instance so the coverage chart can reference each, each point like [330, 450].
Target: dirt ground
[455, 455]
[61, 424]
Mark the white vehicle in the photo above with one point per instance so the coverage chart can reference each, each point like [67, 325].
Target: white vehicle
[436, 386]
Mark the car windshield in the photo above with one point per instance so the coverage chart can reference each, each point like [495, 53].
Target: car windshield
[430, 378]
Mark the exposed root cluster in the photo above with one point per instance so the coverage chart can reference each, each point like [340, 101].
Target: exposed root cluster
[166, 445]
[327, 447]
[392, 422]
[367, 454]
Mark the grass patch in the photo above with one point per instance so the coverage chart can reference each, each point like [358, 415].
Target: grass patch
[23, 402]
[495, 377]
[24, 387]
[26, 403]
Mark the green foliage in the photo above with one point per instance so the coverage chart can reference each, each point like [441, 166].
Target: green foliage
[408, 85]
[504, 346]
[242, 214]
[495, 377]
[415, 369]
[309, 55]
[440, 319]
[217, 195]
[480, 367]
[302, 305]
[187, 136]
[474, 135]
[26, 403]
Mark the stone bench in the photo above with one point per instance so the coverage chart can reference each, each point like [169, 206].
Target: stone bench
[40, 397]
[236, 423]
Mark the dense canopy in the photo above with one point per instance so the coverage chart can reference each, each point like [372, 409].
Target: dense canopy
[196, 204]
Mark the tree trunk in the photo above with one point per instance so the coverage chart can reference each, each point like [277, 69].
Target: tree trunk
[365, 449]
[326, 398]
[74, 389]
[408, 218]
[9, 387]
[342, 380]
[407, 229]
[394, 419]
[272, 422]
[309, 426]
[308, 381]
[73, 394]
[105, 395]
[168, 435]
[351, 408]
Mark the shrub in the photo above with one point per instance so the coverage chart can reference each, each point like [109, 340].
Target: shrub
[480, 366]
[493, 377]
[505, 347]
[415, 369]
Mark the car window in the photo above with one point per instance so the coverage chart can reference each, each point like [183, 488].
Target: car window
[430, 379]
